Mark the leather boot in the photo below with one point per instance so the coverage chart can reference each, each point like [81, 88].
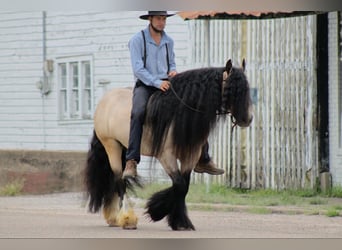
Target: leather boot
[130, 169]
[208, 167]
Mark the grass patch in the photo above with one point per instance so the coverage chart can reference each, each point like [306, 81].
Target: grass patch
[332, 213]
[12, 189]
[336, 192]
[272, 203]
[260, 199]
[337, 207]
[149, 189]
[306, 193]
[317, 201]
[312, 212]
[259, 210]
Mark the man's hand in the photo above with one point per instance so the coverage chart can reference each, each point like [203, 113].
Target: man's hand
[172, 73]
[165, 85]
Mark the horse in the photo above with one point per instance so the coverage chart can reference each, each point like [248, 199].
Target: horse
[177, 124]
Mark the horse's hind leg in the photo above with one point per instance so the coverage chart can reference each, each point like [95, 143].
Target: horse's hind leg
[110, 211]
[103, 184]
[114, 152]
[116, 211]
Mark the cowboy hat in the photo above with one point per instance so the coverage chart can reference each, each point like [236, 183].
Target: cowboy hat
[155, 13]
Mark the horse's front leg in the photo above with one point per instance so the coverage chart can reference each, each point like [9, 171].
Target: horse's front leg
[178, 217]
[171, 201]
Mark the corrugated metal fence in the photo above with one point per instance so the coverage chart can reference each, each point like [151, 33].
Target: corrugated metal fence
[279, 149]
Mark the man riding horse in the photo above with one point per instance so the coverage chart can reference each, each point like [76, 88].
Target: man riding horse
[152, 70]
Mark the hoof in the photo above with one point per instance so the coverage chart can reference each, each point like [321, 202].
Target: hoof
[184, 229]
[129, 227]
[112, 223]
[127, 220]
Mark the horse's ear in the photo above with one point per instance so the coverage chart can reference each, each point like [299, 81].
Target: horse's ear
[243, 64]
[229, 66]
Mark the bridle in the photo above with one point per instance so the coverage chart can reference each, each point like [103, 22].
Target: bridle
[227, 112]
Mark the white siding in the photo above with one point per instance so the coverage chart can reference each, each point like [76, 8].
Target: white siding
[21, 121]
[29, 120]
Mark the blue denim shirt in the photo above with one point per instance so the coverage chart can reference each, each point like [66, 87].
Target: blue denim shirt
[156, 59]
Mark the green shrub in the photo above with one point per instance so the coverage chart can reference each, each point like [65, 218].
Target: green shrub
[332, 213]
[12, 189]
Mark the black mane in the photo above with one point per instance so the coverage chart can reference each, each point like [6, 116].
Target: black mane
[189, 106]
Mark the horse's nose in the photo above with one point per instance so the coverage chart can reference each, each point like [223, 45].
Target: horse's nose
[250, 120]
[250, 115]
[247, 121]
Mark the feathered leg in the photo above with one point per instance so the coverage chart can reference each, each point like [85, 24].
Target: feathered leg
[171, 203]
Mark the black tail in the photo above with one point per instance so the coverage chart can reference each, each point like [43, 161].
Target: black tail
[171, 203]
[101, 182]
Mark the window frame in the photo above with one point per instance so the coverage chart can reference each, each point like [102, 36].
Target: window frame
[83, 109]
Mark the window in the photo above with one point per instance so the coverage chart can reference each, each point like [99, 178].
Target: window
[75, 88]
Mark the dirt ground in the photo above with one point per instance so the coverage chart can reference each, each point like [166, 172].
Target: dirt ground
[64, 215]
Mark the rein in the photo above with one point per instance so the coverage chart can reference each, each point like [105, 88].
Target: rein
[181, 100]
[234, 124]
